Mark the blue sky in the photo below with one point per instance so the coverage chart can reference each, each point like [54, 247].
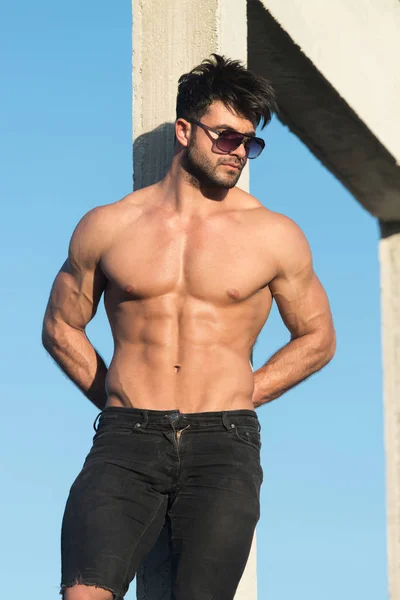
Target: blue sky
[65, 146]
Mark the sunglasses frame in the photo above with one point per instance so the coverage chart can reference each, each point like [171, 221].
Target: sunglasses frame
[219, 133]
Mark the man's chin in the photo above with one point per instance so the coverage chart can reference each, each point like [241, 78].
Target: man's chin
[225, 184]
[228, 179]
[230, 182]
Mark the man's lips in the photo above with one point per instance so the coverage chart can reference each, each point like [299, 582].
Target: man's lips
[231, 165]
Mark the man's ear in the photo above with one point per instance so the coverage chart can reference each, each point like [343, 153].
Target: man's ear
[182, 132]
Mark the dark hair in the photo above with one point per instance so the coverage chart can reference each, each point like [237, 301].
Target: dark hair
[229, 82]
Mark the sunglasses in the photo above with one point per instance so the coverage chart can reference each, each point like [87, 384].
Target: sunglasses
[228, 140]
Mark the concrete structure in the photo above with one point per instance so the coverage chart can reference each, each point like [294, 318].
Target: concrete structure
[389, 254]
[335, 69]
[170, 37]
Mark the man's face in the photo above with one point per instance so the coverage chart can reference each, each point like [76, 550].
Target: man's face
[204, 161]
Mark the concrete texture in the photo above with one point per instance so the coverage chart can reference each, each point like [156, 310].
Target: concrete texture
[334, 67]
[356, 46]
[170, 37]
[338, 87]
[389, 254]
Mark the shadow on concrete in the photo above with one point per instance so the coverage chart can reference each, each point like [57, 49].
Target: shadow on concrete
[152, 155]
[314, 111]
[389, 228]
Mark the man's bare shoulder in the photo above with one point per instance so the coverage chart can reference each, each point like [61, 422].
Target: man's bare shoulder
[267, 218]
[288, 242]
[243, 199]
[98, 227]
[107, 217]
[279, 223]
[280, 237]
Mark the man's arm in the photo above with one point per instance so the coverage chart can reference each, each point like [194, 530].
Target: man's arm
[304, 308]
[73, 302]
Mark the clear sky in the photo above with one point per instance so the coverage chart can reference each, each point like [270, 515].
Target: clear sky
[65, 147]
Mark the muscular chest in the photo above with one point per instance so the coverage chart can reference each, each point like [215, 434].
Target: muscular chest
[219, 261]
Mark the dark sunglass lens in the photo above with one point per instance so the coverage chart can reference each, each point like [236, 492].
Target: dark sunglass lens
[254, 148]
[228, 141]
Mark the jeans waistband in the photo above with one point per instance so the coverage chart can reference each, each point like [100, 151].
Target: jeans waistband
[161, 419]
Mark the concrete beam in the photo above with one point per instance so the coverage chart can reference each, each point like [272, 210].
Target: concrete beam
[356, 46]
[170, 37]
[389, 254]
[330, 123]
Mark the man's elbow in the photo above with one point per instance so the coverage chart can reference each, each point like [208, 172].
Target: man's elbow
[326, 346]
[54, 334]
[49, 334]
[320, 347]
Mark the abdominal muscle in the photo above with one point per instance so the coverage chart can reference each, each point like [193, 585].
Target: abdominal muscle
[212, 378]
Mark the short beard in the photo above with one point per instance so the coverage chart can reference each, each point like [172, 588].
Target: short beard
[203, 173]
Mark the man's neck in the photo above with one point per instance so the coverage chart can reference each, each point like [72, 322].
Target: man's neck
[188, 198]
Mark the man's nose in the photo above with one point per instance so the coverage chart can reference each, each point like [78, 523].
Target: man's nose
[240, 151]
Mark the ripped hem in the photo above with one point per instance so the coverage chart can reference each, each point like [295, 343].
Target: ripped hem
[89, 583]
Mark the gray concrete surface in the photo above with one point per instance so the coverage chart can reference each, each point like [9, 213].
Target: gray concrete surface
[389, 255]
[330, 122]
[170, 37]
[335, 67]
[356, 46]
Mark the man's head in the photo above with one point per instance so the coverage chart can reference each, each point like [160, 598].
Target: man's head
[224, 96]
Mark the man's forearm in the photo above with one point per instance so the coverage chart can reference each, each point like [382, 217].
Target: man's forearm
[75, 355]
[292, 364]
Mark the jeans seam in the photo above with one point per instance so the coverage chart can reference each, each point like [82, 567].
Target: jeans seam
[137, 541]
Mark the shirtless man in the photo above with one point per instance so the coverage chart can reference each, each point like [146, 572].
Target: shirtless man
[189, 267]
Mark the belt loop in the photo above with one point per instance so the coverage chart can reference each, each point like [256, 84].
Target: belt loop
[145, 418]
[225, 420]
[96, 420]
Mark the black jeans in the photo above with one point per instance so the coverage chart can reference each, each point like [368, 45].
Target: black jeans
[201, 471]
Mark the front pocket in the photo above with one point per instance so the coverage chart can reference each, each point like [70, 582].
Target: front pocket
[248, 435]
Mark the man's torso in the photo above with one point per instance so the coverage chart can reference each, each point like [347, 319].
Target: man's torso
[186, 299]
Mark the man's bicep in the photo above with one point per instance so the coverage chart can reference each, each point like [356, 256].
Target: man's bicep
[302, 302]
[300, 297]
[75, 295]
[78, 287]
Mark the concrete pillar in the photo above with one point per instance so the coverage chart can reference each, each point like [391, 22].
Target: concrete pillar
[389, 254]
[170, 37]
